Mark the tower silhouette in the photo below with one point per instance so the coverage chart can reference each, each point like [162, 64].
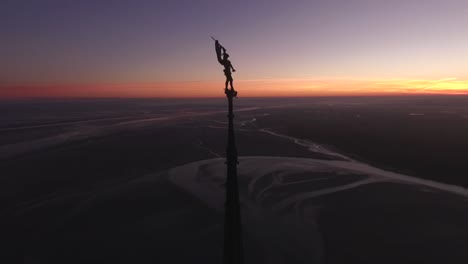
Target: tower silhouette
[233, 246]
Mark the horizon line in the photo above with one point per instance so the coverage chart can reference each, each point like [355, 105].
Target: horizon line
[242, 97]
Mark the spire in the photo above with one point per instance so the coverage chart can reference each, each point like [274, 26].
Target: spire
[233, 246]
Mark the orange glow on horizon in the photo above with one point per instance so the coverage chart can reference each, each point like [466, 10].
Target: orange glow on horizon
[246, 88]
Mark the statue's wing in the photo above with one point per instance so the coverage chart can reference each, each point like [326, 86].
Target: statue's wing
[218, 52]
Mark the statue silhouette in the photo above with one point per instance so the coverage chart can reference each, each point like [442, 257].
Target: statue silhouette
[223, 60]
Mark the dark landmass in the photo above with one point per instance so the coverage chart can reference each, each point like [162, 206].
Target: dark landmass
[419, 136]
[72, 175]
[415, 227]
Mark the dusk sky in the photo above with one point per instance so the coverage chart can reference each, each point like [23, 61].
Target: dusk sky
[162, 48]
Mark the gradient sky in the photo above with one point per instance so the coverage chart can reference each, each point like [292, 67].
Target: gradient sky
[162, 48]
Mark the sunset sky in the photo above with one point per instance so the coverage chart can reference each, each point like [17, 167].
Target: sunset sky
[162, 48]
